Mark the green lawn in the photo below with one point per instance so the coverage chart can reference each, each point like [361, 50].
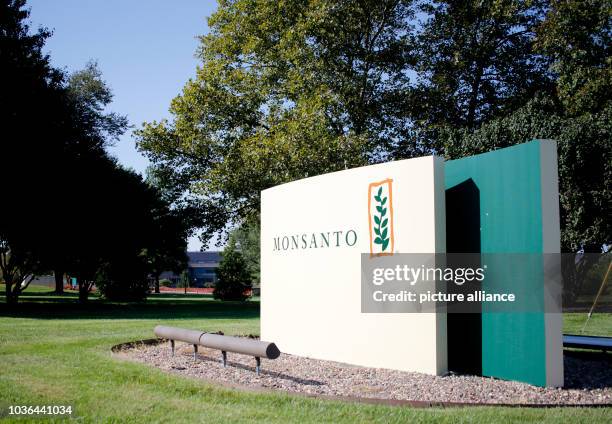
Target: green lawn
[599, 324]
[56, 352]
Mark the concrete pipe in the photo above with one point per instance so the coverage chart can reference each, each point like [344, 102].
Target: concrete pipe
[257, 348]
[180, 334]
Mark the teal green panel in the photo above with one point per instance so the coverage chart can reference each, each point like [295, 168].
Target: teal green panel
[508, 180]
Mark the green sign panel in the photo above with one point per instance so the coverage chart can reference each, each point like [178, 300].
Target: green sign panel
[513, 196]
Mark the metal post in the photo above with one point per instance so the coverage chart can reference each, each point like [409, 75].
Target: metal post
[224, 353]
[195, 351]
[603, 283]
[258, 366]
[172, 346]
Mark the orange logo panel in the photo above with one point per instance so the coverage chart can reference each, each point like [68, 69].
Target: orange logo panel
[380, 217]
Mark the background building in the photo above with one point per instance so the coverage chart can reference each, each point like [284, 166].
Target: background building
[202, 269]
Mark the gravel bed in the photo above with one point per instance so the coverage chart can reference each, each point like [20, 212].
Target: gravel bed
[588, 378]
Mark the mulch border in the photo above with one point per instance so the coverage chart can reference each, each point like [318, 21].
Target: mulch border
[357, 399]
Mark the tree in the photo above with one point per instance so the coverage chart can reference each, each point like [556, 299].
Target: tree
[284, 91]
[475, 62]
[184, 280]
[247, 240]
[167, 250]
[233, 277]
[124, 279]
[90, 95]
[88, 129]
[122, 223]
[577, 36]
[18, 267]
[31, 96]
[173, 226]
[585, 163]
[69, 207]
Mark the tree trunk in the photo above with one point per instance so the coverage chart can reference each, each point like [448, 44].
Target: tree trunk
[156, 283]
[83, 294]
[59, 281]
[11, 299]
[83, 291]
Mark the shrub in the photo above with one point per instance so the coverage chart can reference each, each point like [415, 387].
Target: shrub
[123, 284]
[234, 279]
[184, 281]
[165, 283]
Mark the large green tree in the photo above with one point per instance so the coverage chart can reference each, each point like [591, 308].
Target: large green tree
[293, 89]
[66, 204]
[31, 107]
[121, 232]
[88, 129]
[284, 91]
[585, 163]
[577, 37]
[136, 236]
[475, 61]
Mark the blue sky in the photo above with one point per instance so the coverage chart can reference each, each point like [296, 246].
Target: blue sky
[145, 50]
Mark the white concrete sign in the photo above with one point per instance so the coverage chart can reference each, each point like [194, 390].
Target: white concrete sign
[313, 232]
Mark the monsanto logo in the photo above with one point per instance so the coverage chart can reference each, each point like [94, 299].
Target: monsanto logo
[380, 217]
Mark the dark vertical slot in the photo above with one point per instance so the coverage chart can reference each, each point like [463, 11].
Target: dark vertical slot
[464, 330]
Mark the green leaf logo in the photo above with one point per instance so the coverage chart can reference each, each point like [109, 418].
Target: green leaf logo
[381, 221]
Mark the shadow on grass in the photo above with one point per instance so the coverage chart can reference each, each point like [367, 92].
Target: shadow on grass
[49, 305]
[72, 297]
[586, 370]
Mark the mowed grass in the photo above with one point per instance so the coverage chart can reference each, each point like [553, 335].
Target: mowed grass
[56, 352]
[600, 324]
